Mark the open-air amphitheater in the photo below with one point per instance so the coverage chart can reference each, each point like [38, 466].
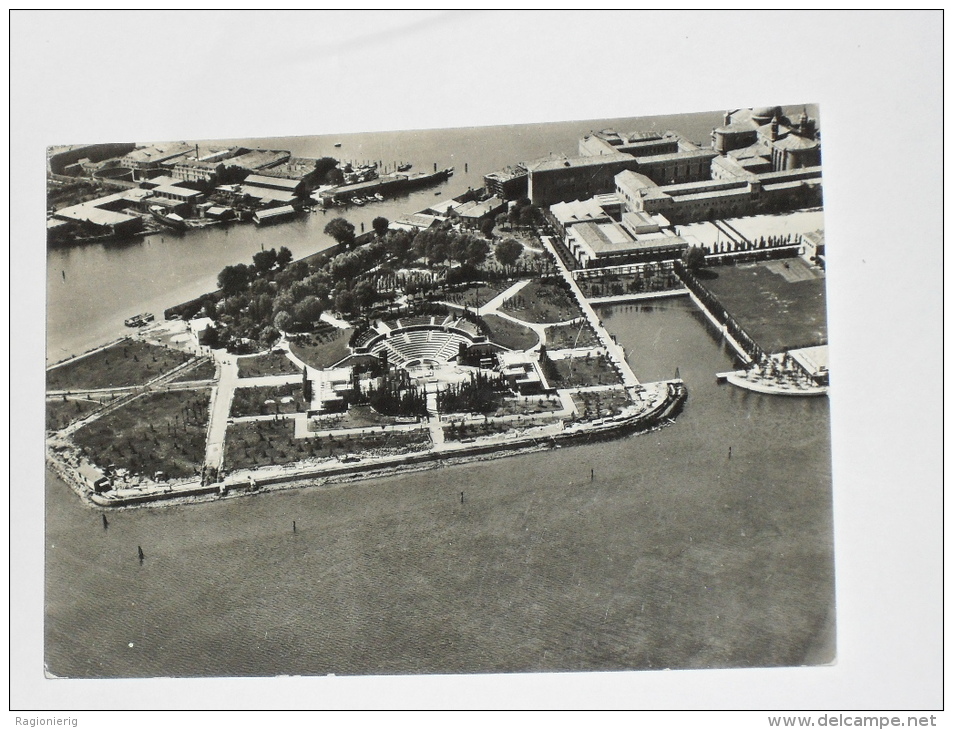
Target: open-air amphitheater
[416, 341]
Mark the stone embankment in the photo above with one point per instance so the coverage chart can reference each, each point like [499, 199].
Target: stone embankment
[657, 404]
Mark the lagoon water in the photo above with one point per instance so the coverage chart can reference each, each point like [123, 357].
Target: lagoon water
[672, 555]
[91, 289]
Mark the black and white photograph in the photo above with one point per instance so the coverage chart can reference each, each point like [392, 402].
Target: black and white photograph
[538, 395]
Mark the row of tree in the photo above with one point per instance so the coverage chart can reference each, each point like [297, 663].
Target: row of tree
[481, 394]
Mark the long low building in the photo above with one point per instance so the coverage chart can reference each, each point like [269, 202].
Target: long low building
[117, 213]
[722, 198]
[611, 244]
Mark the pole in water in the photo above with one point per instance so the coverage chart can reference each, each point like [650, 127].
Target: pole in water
[294, 526]
[461, 497]
[729, 452]
[142, 555]
[592, 474]
[105, 523]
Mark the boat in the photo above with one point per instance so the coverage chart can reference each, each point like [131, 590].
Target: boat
[405, 167]
[337, 144]
[172, 220]
[357, 201]
[380, 198]
[140, 320]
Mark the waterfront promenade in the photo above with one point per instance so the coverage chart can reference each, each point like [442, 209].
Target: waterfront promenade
[615, 351]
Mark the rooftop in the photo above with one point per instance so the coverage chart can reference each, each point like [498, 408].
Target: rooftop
[560, 163]
[272, 182]
[258, 159]
[158, 152]
[577, 211]
[680, 155]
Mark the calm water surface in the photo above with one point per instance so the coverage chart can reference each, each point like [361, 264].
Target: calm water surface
[91, 289]
[672, 556]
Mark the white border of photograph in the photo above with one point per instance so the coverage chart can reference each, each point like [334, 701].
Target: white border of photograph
[876, 77]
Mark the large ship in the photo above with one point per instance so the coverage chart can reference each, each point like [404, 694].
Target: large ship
[385, 184]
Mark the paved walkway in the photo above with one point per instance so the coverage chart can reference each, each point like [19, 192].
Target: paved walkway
[640, 295]
[219, 406]
[613, 350]
[495, 302]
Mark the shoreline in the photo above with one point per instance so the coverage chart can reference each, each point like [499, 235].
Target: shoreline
[661, 414]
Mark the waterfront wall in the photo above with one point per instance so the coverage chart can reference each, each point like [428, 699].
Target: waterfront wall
[743, 343]
[669, 407]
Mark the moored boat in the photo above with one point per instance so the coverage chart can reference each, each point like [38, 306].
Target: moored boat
[140, 320]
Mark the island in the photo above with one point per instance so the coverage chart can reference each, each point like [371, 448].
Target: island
[467, 330]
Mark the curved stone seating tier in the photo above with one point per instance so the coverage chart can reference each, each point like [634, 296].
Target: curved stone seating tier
[420, 344]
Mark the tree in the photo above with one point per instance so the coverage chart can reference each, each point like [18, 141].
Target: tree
[233, 279]
[529, 215]
[284, 257]
[341, 231]
[323, 166]
[507, 252]
[265, 260]
[486, 227]
[365, 294]
[283, 321]
[308, 310]
[693, 258]
[380, 225]
[344, 301]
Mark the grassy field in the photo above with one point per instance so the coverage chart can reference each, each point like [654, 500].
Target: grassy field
[130, 362]
[156, 432]
[459, 431]
[251, 401]
[60, 413]
[476, 296]
[600, 403]
[262, 443]
[571, 335]
[514, 406]
[205, 370]
[779, 314]
[323, 351]
[270, 363]
[542, 301]
[580, 371]
[360, 416]
[509, 334]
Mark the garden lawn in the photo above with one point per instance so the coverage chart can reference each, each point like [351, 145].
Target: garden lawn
[476, 296]
[601, 403]
[155, 432]
[581, 371]
[61, 413]
[571, 335]
[509, 334]
[264, 443]
[542, 301]
[251, 401]
[130, 362]
[323, 351]
[269, 363]
[778, 314]
[205, 370]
